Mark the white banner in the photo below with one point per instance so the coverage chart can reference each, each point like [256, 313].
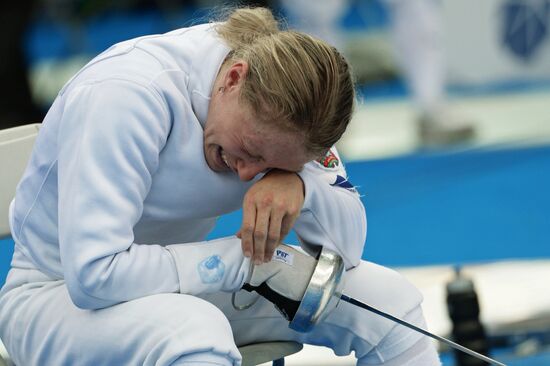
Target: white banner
[495, 41]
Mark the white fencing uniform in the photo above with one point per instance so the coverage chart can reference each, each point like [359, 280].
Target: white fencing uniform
[109, 221]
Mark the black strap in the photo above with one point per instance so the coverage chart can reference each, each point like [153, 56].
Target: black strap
[286, 306]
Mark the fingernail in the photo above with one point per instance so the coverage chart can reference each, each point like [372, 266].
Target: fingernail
[247, 254]
[257, 261]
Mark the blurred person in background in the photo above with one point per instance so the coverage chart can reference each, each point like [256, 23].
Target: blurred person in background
[417, 33]
[140, 153]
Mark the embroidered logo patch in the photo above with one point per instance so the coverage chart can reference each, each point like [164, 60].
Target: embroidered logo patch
[282, 255]
[211, 269]
[329, 160]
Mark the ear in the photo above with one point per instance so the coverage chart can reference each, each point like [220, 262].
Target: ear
[235, 75]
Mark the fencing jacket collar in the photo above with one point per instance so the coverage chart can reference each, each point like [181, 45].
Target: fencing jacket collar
[211, 52]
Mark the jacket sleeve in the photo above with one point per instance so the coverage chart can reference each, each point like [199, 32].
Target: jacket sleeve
[333, 215]
[110, 139]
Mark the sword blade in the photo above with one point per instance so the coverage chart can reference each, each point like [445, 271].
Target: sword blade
[420, 330]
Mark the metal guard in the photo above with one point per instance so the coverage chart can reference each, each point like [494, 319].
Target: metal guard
[323, 292]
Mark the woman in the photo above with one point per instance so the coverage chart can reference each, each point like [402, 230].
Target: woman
[138, 155]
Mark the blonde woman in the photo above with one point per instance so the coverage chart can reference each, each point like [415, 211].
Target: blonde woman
[140, 153]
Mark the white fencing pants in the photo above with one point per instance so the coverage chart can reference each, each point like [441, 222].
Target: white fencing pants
[41, 326]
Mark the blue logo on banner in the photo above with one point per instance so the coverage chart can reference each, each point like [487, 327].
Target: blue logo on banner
[525, 26]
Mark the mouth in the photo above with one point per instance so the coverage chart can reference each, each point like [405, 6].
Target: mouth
[223, 162]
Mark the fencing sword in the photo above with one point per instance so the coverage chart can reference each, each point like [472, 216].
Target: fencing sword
[323, 294]
[448, 342]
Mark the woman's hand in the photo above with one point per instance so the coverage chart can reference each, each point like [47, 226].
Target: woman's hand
[270, 208]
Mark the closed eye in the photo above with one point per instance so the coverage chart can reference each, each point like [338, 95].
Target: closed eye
[256, 158]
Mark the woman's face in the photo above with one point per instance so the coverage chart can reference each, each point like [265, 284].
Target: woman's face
[235, 141]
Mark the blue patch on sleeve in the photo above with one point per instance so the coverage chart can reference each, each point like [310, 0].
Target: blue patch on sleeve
[211, 269]
[344, 183]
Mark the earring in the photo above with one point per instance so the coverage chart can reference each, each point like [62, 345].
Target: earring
[221, 89]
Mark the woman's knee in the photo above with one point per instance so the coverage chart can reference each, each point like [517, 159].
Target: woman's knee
[197, 329]
[359, 330]
[402, 348]
[207, 317]
[382, 287]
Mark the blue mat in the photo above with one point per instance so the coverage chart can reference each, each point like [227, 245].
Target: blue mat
[443, 208]
[456, 208]
[6, 251]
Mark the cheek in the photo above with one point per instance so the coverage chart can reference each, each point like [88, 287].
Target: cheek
[209, 135]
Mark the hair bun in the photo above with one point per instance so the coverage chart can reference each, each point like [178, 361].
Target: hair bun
[245, 25]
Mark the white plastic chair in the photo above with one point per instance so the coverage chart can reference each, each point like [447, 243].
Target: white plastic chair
[15, 149]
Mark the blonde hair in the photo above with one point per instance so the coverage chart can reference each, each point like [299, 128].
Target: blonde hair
[293, 78]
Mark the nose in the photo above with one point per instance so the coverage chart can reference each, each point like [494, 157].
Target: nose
[247, 170]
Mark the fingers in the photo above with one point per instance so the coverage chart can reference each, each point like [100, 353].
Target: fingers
[246, 233]
[270, 208]
[274, 235]
[261, 231]
[260, 235]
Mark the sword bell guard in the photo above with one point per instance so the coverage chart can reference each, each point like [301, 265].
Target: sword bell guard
[322, 294]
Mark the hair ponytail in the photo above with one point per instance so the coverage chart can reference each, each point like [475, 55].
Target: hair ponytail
[244, 25]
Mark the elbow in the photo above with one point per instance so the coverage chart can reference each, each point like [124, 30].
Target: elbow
[361, 223]
[352, 261]
[358, 237]
[84, 297]
[81, 300]
[354, 218]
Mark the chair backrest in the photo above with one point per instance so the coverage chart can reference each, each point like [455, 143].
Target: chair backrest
[15, 149]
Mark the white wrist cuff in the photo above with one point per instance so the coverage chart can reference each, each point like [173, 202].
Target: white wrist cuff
[210, 266]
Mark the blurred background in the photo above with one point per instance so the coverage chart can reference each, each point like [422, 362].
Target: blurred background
[449, 146]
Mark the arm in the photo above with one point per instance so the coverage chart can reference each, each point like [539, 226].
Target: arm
[332, 215]
[110, 139]
[318, 202]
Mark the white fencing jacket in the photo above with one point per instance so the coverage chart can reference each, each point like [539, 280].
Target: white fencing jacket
[117, 198]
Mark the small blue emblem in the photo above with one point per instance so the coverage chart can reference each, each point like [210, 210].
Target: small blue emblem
[211, 269]
[344, 183]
